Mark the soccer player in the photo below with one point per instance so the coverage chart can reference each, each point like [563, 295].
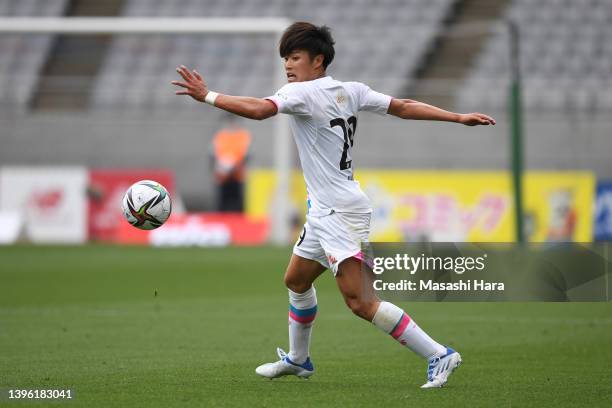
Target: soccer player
[323, 118]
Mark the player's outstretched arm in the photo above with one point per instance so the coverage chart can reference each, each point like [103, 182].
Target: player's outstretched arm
[409, 109]
[195, 86]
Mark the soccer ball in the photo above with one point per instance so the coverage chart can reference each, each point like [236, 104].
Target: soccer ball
[146, 205]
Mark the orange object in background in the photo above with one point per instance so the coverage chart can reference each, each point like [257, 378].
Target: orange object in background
[231, 147]
[230, 151]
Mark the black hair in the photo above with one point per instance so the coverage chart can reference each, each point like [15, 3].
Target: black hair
[308, 37]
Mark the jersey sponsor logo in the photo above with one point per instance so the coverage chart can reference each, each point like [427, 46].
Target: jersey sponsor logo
[341, 98]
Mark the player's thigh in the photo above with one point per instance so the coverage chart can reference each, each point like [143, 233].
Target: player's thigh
[307, 262]
[342, 236]
[355, 283]
[302, 272]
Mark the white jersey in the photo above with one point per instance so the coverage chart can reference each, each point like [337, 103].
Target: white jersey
[323, 121]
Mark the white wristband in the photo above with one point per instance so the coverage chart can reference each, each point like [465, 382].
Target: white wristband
[211, 97]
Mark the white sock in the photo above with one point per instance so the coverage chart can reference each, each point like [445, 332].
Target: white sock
[394, 321]
[302, 312]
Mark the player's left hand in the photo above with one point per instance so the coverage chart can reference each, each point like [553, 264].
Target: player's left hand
[475, 119]
[194, 84]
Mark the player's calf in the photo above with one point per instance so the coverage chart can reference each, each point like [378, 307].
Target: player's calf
[356, 289]
[394, 321]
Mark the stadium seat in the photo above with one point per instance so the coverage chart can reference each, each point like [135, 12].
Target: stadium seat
[22, 55]
[232, 62]
[564, 42]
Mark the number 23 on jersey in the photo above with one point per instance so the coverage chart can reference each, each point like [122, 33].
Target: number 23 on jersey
[349, 127]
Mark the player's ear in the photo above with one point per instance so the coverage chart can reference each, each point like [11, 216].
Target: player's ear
[318, 61]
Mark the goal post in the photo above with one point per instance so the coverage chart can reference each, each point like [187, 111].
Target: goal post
[131, 25]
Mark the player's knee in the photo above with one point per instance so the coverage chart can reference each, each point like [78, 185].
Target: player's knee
[296, 284]
[359, 307]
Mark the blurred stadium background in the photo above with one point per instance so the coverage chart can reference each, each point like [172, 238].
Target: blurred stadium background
[103, 103]
[82, 117]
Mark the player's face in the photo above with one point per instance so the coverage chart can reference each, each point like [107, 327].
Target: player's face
[300, 67]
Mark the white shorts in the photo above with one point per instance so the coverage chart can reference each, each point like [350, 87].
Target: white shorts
[333, 238]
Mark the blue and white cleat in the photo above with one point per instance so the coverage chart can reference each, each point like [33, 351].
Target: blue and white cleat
[440, 368]
[285, 367]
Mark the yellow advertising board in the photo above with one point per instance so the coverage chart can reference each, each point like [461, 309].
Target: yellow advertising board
[456, 206]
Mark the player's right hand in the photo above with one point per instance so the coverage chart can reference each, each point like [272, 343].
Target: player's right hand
[194, 84]
[475, 119]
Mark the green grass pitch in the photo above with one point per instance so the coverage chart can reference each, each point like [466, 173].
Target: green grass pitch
[130, 327]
